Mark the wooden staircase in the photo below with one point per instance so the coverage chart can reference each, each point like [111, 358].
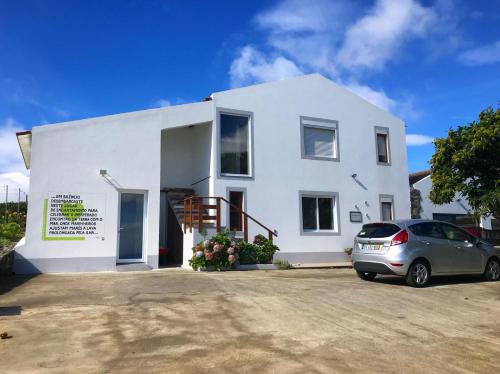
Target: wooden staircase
[202, 212]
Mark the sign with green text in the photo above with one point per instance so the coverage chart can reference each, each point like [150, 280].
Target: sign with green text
[73, 216]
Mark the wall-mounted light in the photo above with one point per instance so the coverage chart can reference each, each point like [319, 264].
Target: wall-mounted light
[366, 203]
[354, 176]
[104, 173]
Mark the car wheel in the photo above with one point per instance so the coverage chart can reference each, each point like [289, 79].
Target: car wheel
[418, 274]
[492, 271]
[366, 275]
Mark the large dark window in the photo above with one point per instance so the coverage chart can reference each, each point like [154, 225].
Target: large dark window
[234, 144]
[318, 213]
[382, 148]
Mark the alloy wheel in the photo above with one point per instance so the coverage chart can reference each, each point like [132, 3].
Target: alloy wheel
[494, 270]
[420, 274]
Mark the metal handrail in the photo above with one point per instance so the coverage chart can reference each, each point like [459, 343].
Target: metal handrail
[218, 198]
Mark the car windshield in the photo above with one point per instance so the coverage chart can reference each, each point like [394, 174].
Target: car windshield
[378, 230]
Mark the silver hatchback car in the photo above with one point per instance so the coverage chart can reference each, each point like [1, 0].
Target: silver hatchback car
[415, 249]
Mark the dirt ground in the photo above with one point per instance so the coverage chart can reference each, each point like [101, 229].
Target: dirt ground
[295, 321]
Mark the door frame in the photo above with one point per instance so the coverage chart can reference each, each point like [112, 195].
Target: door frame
[244, 203]
[144, 226]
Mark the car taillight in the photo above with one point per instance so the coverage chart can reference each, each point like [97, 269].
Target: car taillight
[400, 238]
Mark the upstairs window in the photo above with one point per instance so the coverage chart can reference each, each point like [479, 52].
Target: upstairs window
[319, 139]
[234, 144]
[382, 145]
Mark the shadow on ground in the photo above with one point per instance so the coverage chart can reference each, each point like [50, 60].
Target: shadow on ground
[434, 282]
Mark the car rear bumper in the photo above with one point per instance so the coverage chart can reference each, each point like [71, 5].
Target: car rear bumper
[381, 264]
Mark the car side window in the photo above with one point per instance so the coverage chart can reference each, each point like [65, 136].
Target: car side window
[427, 229]
[456, 234]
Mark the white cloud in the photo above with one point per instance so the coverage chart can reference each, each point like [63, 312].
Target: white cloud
[160, 103]
[487, 54]
[12, 169]
[10, 156]
[330, 37]
[378, 98]
[377, 37]
[15, 181]
[253, 67]
[418, 139]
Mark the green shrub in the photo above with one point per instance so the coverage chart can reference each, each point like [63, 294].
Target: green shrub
[264, 249]
[247, 253]
[282, 264]
[11, 231]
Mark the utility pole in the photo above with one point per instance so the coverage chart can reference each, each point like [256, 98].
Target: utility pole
[18, 199]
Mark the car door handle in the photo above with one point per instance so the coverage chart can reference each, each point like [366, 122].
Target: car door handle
[425, 242]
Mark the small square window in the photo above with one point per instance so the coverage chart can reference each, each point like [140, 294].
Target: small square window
[319, 139]
[319, 213]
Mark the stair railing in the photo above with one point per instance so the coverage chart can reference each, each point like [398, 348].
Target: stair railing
[194, 213]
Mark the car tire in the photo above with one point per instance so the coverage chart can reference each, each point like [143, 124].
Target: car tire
[492, 271]
[418, 274]
[366, 275]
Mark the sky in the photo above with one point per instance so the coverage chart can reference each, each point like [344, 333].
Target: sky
[435, 63]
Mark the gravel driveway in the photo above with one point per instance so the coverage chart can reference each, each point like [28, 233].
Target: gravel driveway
[295, 321]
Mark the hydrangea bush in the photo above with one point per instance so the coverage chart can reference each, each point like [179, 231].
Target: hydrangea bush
[221, 252]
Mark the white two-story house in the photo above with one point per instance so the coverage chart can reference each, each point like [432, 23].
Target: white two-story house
[306, 160]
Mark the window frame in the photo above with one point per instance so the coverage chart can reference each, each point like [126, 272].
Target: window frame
[323, 124]
[384, 131]
[218, 155]
[335, 214]
[387, 199]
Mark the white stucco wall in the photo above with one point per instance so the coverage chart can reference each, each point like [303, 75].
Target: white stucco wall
[459, 205]
[280, 172]
[66, 158]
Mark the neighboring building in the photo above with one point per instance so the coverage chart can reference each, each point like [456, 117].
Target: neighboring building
[457, 212]
[303, 156]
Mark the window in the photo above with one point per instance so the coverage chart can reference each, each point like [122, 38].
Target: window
[427, 229]
[386, 207]
[319, 139]
[378, 230]
[454, 233]
[382, 145]
[235, 216]
[234, 144]
[456, 219]
[319, 213]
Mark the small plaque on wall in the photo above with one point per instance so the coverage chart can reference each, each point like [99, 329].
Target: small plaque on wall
[356, 216]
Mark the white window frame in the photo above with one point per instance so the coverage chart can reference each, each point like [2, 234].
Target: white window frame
[240, 113]
[383, 131]
[335, 213]
[324, 124]
[387, 199]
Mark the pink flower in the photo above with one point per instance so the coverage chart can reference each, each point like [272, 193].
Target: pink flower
[231, 259]
[217, 248]
[206, 243]
[230, 250]
[209, 256]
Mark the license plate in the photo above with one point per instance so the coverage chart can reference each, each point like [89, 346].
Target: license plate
[372, 247]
